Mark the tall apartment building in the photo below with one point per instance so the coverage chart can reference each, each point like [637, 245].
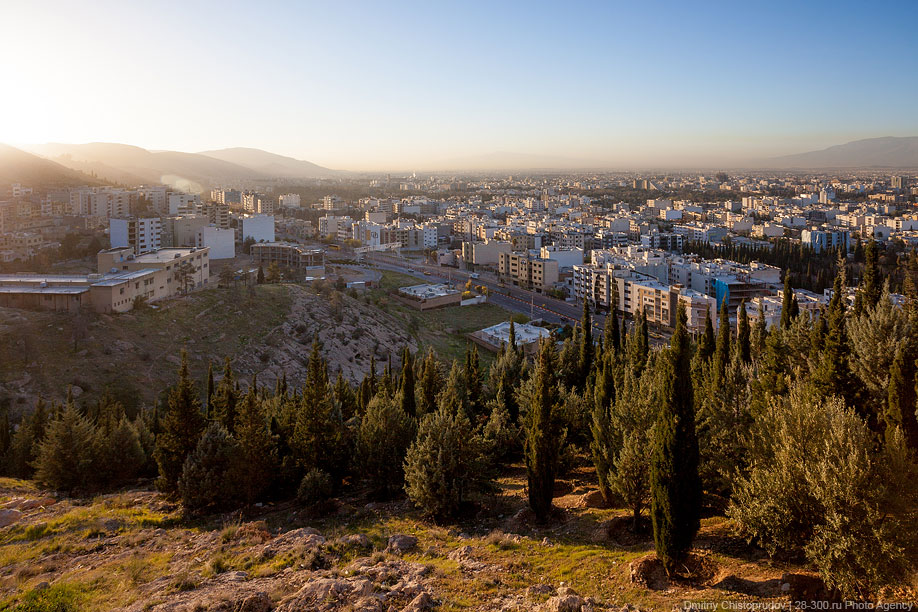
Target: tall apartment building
[226, 196]
[140, 234]
[183, 203]
[528, 271]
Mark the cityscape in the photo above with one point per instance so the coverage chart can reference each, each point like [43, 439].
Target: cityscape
[567, 349]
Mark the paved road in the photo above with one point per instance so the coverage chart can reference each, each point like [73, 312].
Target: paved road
[512, 298]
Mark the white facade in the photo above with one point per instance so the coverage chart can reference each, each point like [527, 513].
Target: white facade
[142, 235]
[259, 227]
[221, 242]
[290, 200]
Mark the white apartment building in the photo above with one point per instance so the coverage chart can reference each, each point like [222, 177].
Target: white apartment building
[258, 227]
[142, 235]
[220, 242]
[289, 200]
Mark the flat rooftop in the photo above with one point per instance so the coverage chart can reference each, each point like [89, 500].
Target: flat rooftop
[167, 255]
[525, 333]
[427, 291]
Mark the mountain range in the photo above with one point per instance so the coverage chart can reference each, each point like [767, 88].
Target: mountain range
[191, 171]
[18, 166]
[886, 152]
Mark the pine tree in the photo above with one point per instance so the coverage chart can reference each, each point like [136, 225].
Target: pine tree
[542, 433]
[65, 455]
[182, 426]
[742, 334]
[209, 479]
[320, 438]
[722, 350]
[24, 444]
[257, 448]
[611, 333]
[871, 283]
[407, 388]
[345, 397]
[386, 432]
[511, 336]
[260, 278]
[675, 484]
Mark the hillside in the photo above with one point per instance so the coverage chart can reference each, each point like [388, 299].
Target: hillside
[119, 162]
[267, 332]
[18, 166]
[270, 163]
[133, 551]
[888, 152]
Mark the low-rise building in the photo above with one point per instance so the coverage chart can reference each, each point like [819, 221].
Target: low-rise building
[308, 261]
[427, 296]
[496, 337]
[528, 271]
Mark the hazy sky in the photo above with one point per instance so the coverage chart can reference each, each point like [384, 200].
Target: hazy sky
[401, 85]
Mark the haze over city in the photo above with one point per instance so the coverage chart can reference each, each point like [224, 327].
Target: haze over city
[405, 86]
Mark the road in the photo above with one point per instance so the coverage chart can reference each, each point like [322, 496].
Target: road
[535, 305]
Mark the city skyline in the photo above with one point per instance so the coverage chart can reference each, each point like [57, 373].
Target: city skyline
[365, 87]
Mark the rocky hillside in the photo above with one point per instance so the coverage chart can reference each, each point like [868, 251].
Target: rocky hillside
[133, 551]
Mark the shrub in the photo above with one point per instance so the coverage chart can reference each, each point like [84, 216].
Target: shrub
[56, 598]
[819, 489]
[316, 487]
[446, 462]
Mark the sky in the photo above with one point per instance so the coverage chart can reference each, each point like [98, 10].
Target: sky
[420, 85]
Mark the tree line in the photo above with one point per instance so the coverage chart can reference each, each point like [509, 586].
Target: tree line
[804, 433]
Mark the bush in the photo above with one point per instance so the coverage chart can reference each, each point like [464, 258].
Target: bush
[819, 489]
[445, 462]
[57, 598]
[316, 487]
[209, 475]
[386, 432]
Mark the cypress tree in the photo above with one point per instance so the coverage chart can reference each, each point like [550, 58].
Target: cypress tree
[260, 278]
[722, 349]
[472, 377]
[871, 283]
[182, 426]
[901, 399]
[429, 384]
[742, 334]
[541, 445]
[210, 390]
[345, 397]
[602, 445]
[759, 333]
[786, 303]
[675, 483]
[586, 345]
[707, 343]
[833, 374]
[612, 333]
[225, 398]
[406, 393]
[511, 337]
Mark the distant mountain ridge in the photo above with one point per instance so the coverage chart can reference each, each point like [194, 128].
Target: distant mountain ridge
[270, 164]
[885, 152]
[190, 171]
[18, 166]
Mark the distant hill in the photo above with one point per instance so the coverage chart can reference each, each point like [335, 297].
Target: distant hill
[887, 152]
[18, 166]
[129, 164]
[270, 163]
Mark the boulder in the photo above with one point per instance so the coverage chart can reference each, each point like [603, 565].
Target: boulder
[400, 544]
[41, 502]
[355, 540]
[9, 516]
[592, 499]
[327, 594]
[537, 590]
[257, 602]
[564, 603]
[421, 603]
